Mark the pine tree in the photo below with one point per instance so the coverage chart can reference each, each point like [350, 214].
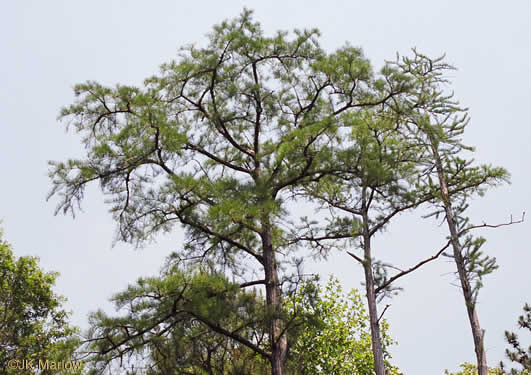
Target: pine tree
[215, 142]
[517, 353]
[386, 164]
[373, 185]
[438, 121]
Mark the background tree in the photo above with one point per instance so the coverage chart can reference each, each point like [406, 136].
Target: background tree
[215, 142]
[517, 353]
[338, 341]
[33, 324]
[471, 369]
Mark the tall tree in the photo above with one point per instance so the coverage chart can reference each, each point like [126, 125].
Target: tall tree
[438, 121]
[372, 186]
[215, 142]
[33, 324]
[386, 165]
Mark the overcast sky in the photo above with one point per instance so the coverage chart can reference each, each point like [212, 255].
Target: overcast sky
[48, 46]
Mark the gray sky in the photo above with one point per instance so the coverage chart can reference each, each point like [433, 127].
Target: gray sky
[48, 46]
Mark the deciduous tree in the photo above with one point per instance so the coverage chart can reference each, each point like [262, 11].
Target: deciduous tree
[338, 340]
[33, 324]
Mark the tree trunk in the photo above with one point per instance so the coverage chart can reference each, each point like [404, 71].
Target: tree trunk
[377, 348]
[379, 364]
[279, 343]
[477, 332]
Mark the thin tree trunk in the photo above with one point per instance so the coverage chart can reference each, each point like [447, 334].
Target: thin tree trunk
[279, 344]
[379, 364]
[376, 338]
[477, 332]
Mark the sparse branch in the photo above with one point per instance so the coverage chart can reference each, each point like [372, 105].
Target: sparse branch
[338, 205]
[383, 312]
[418, 265]
[438, 253]
[426, 198]
[485, 225]
[321, 238]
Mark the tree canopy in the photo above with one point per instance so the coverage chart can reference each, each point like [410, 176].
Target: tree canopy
[216, 141]
[228, 138]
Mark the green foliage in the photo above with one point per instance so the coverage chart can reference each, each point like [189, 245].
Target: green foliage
[223, 138]
[517, 353]
[188, 322]
[209, 141]
[476, 263]
[338, 340]
[193, 322]
[438, 121]
[33, 325]
[220, 138]
[470, 369]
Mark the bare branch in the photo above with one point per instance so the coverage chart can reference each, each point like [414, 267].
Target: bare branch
[355, 257]
[383, 312]
[251, 283]
[403, 273]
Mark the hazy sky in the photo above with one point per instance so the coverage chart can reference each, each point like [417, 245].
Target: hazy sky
[48, 46]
